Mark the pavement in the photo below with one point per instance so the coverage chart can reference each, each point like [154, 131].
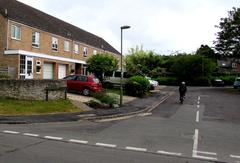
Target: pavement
[131, 107]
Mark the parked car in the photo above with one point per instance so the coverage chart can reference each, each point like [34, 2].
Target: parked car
[218, 83]
[83, 84]
[236, 83]
[153, 83]
[113, 80]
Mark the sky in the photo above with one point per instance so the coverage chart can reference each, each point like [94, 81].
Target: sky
[163, 26]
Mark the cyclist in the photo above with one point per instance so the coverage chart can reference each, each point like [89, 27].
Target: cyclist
[182, 91]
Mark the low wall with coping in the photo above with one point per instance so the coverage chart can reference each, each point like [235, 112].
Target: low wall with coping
[33, 89]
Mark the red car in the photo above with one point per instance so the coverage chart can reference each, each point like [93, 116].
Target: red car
[83, 84]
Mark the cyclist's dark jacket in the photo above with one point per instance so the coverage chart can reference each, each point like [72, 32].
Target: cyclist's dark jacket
[182, 89]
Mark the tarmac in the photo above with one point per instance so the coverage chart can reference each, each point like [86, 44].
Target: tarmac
[131, 107]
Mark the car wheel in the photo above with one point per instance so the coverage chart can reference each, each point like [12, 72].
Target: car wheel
[86, 92]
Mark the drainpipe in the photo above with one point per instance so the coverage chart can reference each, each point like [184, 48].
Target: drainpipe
[7, 33]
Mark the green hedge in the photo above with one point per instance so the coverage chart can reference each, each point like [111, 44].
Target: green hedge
[137, 86]
[167, 80]
[228, 80]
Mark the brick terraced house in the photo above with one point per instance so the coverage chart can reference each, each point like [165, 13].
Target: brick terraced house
[35, 45]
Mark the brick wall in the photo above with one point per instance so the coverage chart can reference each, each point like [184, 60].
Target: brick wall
[32, 89]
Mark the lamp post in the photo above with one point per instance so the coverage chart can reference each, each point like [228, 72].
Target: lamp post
[121, 85]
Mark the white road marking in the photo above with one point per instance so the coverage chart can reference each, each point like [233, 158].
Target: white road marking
[197, 116]
[32, 135]
[10, 132]
[195, 143]
[198, 102]
[199, 98]
[53, 138]
[136, 149]
[198, 106]
[169, 153]
[207, 153]
[78, 141]
[235, 156]
[206, 158]
[106, 145]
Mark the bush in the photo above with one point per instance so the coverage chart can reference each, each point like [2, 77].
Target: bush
[106, 98]
[228, 79]
[167, 80]
[4, 76]
[201, 81]
[137, 86]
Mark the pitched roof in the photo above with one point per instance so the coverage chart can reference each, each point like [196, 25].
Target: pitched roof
[27, 15]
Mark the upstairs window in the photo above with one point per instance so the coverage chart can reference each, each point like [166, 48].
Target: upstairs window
[66, 46]
[54, 44]
[35, 39]
[94, 52]
[85, 52]
[16, 32]
[76, 48]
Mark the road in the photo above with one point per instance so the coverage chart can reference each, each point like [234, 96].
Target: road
[205, 128]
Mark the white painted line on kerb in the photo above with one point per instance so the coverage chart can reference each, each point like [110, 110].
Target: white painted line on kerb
[106, 145]
[169, 153]
[10, 132]
[207, 153]
[136, 149]
[32, 135]
[78, 141]
[53, 138]
[235, 156]
[206, 158]
[195, 143]
[197, 116]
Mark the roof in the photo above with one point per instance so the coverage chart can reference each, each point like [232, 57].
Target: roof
[30, 16]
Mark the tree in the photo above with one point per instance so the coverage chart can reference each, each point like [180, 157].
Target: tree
[102, 63]
[228, 38]
[206, 51]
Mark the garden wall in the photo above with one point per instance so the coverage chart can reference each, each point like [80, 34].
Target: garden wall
[33, 89]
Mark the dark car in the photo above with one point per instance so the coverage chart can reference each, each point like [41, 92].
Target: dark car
[83, 84]
[218, 83]
[236, 83]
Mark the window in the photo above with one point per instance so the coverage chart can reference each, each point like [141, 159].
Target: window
[94, 52]
[22, 66]
[85, 52]
[35, 39]
[234, 65]
[16, 32]
[66, 46]
[54, 44]
[76, 48]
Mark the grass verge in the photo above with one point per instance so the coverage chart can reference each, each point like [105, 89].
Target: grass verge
[24, 107]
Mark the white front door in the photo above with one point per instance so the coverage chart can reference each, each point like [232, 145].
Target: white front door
[29, 68]
[48, 71]
[61, 71]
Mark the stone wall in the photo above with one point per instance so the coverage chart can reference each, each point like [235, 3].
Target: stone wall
[33, 89]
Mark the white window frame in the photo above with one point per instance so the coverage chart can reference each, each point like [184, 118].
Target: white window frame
[76, 48]
[14, 32]
[55, 44]
[85, 51]
[36, 42]
[66, 46]
[94, 52]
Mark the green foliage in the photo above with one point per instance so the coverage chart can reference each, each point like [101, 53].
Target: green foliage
[137, 86]
[102, 63]
[206, 51]
[228, 37]
[4, 76]
[228, 79]
[167, 80]
[106, 98]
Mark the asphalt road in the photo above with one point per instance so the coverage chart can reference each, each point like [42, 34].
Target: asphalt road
[202, 129]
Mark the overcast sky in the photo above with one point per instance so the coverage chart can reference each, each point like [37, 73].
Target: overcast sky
[164, 26]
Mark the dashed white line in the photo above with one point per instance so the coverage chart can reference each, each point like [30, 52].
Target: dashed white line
[78, 141]
[169, 153]
[198, 102]
[204, 157]
[32, 135]
[10, 132]
[53, 138]
[199, 98]
[198, 106]
[207, 153]
[197, 116]
[106, 145]
[235, 156]
[136, 149]
[195, 143]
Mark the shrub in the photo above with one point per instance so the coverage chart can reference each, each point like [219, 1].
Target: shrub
[137, 86]
[3, 76]
[167, 80]
[106, 98]
[228, 79]
[201, 81]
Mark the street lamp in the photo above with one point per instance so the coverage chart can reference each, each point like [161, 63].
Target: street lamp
[121, 86]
